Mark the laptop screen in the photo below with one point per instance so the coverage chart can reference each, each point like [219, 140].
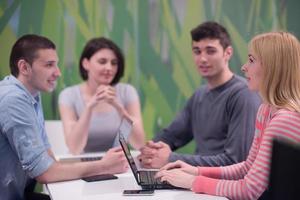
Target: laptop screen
[125, 128]
[128, 155]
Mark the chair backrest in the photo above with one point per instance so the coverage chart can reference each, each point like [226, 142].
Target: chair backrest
[55, 133]
[285, 174]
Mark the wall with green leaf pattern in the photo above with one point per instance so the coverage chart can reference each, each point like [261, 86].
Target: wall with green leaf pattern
[154, 35]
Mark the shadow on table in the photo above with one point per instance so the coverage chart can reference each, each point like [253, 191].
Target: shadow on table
[109, 186]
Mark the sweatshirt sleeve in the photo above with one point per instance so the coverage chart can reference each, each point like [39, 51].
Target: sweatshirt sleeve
[178, 133]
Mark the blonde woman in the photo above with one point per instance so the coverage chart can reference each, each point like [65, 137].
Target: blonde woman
[273, 70]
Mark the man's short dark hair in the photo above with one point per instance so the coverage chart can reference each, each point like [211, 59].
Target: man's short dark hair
[211, 30]
[26, 48]
[93, 46]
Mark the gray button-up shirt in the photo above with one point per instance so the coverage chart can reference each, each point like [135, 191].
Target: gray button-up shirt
[23, 140]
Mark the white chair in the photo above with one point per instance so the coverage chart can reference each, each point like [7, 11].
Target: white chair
[55, 133]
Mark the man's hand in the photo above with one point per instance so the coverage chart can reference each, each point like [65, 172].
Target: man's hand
[115, 161]
[154, 155]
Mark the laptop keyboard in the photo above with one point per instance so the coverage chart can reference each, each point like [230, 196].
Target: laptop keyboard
[147, 181]
[148, 177]
[86, 159]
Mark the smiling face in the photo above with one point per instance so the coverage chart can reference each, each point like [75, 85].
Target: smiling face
[210, 58]
[101, 67]
[253, 71]
[43, 72]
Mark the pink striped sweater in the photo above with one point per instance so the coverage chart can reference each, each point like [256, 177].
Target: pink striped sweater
[249, 179]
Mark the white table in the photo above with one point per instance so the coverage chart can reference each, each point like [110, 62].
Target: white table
[112, 190]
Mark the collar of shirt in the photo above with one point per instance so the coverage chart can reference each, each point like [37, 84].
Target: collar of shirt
[12, 79]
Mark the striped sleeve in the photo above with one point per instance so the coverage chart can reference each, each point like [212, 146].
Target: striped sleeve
[283, 125]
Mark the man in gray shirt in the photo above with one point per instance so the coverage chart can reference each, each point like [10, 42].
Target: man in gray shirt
[220, 115]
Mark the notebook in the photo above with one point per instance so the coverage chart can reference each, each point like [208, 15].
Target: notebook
[79, 158]
[144, 177]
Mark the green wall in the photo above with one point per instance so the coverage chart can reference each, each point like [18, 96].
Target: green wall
[154, 35]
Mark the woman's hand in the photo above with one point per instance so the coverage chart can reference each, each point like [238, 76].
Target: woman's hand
[182, 166]
[176, 177]
[104, 93]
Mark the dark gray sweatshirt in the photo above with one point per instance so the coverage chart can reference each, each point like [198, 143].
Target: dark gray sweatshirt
[220, 120]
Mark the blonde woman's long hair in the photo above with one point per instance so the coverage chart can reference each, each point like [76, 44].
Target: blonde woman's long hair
[279, 54]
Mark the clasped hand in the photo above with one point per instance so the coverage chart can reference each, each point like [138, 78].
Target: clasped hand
[105, 93]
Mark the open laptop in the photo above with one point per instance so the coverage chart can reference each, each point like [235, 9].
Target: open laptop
[79, 158]
[144, 177]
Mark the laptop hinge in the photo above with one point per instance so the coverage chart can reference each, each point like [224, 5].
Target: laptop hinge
[139, 179]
